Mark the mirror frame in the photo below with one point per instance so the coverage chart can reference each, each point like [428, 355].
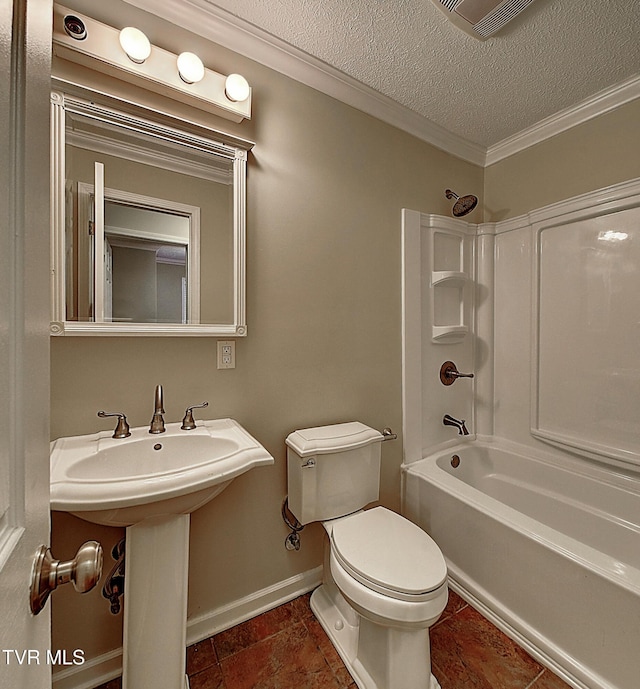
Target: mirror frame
[79, 100]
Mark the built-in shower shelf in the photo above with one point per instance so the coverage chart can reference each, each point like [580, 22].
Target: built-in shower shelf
[450, 284]
[448, 334]
[453, 276]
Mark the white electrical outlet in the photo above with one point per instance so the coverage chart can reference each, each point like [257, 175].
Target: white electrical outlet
[226, 354]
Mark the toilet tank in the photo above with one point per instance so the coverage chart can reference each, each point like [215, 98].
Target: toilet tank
[332, 470]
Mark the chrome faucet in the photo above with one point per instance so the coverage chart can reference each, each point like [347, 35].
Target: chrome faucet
[450, 421]
[157, 422]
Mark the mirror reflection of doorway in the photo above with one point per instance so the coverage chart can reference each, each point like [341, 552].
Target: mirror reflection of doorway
[150, 252]
[145, 265]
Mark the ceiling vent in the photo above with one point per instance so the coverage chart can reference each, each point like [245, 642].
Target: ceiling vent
[481, 18]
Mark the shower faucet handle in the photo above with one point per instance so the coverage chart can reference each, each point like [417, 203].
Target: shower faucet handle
[449, 373]
[188, 423]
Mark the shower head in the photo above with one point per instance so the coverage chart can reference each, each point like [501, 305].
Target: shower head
[463, 204]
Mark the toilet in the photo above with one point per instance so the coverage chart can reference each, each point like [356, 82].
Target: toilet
[384, 579]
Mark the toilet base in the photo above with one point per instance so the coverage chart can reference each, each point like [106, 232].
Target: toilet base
[344, 627]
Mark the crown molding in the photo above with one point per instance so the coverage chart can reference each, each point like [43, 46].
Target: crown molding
[600, 103]
[229, 31]
[238, 35]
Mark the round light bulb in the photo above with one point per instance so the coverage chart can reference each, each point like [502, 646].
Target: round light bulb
[236, 88]
[135, 44]
[190, 68]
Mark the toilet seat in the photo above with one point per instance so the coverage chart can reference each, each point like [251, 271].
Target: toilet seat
[388, 554]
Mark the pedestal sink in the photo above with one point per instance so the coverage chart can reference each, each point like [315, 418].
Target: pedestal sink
[151, 484]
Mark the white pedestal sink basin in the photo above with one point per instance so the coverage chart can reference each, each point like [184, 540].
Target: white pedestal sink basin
[151, 484]
[121, 481]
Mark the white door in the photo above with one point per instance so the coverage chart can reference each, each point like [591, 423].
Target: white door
[108, 280]
[25, 45]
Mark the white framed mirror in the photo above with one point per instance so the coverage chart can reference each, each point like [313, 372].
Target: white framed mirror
[148, 224]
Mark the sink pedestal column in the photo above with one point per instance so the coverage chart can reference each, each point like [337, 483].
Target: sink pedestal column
[155, 603]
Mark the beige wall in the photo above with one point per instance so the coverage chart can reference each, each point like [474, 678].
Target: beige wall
[326, 185]
[593, 155]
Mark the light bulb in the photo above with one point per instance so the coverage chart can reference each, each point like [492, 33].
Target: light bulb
[135, 44]
[236, 88]
[190, 68]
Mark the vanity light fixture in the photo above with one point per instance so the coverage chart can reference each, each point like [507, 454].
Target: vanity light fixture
[135, 44]
[128, 55]
[190, 68]
[236, 88]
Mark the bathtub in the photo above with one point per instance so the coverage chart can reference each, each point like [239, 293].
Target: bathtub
[547, 547]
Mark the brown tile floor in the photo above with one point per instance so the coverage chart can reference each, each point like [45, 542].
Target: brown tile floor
[286, 648]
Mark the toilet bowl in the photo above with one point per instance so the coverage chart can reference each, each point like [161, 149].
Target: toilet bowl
[384, 578]
[384, 586]
[388, 568]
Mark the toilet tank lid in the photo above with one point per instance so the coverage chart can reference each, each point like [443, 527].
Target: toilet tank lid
[335, 438]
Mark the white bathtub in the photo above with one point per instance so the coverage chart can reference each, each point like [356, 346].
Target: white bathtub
[548, 548]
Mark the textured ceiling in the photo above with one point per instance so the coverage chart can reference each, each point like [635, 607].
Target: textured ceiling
[552, 56]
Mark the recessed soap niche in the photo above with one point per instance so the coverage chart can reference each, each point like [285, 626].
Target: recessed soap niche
[450, 285]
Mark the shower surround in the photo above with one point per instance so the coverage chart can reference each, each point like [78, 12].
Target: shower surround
[545, 312]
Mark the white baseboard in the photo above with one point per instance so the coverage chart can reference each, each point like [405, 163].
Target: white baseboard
[234, 613]
[93, 673]
[108, 666]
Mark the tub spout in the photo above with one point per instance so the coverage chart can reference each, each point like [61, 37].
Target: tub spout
[460, 425]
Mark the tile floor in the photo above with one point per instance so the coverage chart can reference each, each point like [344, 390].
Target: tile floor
[286, 648]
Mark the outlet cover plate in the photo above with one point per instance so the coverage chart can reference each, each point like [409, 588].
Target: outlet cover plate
[226, 354]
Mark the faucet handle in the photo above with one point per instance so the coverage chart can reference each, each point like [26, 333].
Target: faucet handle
[449, 373]
[188, 424]
[122, 428]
